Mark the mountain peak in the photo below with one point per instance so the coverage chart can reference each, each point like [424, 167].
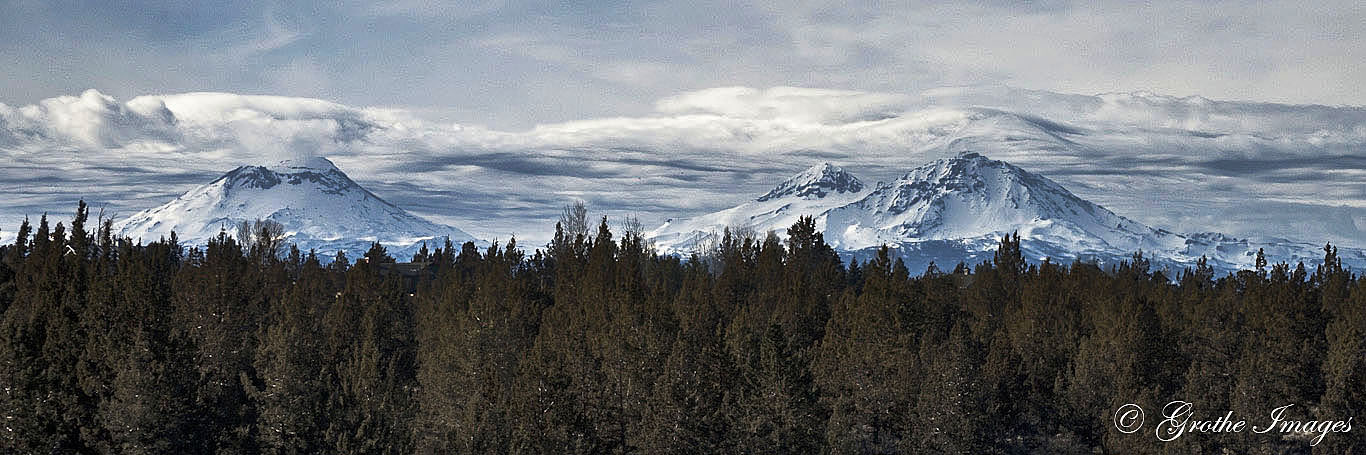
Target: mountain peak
[316, 203]
[316, 170]
[816, 182]
[963, 171]
[313, 163]
[970, 196]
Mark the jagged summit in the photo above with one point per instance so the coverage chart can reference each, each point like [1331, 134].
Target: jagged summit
[971, 195]
[816, 181]
[313, 163]
[963, 167]
[990, 187]
[812, 192]
[316, 203]
[318, 172]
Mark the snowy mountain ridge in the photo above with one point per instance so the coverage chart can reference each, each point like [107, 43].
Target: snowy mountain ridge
[816, 189]
[316, 203]
[956, 210]
[817, 181]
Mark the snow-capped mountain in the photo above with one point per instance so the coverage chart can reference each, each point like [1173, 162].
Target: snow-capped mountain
[956, 210]
[817, 189]
[316, 203]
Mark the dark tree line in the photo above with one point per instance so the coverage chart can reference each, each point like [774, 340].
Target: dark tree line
[595, 344]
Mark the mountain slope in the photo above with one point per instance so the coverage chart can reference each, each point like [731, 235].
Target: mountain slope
[972, 196]
[316, 203]
[956, 210]
[815, 190]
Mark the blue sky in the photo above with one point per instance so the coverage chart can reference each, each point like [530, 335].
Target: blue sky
[511, 64]
[491, 115]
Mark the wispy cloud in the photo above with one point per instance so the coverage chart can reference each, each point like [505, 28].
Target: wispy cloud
[514, 65]
[270, 36]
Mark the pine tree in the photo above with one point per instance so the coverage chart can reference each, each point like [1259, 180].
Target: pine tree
[864, 365]
[470, 340]
[1009, 258]
[1260, 262]
[290, 396]
[339, 262]
[148, 410]
[949, 406]
[371, 361]
[1344, 372]
[10, 262]
[781, 412]
[693, 397]
[422, 254]
[216, 312]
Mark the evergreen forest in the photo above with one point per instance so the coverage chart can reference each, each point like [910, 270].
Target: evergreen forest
[594, 343]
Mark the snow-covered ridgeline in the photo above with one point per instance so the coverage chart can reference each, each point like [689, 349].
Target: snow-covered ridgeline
[316, 203]
[956, 210]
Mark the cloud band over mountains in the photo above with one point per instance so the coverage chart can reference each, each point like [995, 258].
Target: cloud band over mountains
[1186, 164]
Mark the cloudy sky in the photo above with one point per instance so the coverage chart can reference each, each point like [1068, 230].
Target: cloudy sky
[509, 64]
[1232, 116]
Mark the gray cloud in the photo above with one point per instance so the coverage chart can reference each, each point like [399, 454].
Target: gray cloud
[1186, 164]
